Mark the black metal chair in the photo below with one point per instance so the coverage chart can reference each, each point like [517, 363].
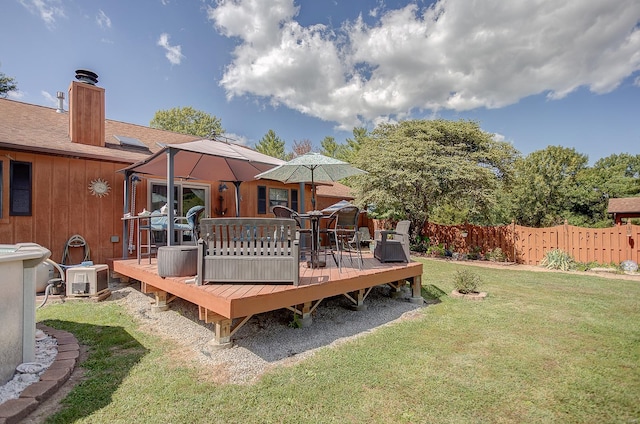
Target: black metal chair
[343, 230]
[304, 234]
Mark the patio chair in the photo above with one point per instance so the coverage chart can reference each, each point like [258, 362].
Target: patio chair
[304, 234]
[188, 223]
[393, 245]
[364, 237]
[342, 229]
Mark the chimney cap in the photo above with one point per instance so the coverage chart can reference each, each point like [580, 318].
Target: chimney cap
[86, 76]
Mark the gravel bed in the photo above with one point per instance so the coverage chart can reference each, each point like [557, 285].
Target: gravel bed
[267, 339]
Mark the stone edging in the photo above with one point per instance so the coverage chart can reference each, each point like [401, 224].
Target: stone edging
[469, 296]
[14, 410]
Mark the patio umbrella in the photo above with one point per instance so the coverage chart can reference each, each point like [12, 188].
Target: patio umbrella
[311, 167]
[341, 204]
[207, 160]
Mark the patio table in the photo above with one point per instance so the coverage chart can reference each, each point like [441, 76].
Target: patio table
[314, 217]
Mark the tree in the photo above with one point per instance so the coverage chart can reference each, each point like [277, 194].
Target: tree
[271, 145]
[613, 176]
[187, 120]
[346, 152]
[301, 147]
[7, 84]
[329, 147]
[545, 190]
[415, 166]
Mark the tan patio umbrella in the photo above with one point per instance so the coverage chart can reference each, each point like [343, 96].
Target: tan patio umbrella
[208, 160]
[311, 167]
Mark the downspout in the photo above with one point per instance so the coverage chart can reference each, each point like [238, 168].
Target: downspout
[237, 184]
[126, 223]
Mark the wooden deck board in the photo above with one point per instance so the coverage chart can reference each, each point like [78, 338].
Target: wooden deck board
[240, 300]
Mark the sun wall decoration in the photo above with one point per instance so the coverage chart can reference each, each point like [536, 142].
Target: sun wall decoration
[99, 187]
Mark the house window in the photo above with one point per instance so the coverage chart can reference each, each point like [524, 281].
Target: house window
[294, 201]
[262, 200]
[278, 197]
[20, 188]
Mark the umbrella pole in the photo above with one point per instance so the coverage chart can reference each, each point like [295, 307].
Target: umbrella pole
[313, 192]
[170, 215]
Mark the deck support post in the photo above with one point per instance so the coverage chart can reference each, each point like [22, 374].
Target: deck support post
[397, 288]
[357, 299]
[305, 310]
[222, 339]
[416, 290]
[161, 304]
[305, 314]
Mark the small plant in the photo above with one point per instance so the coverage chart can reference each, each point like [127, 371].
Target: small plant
[436, 250]
[296, 323]
[558, 259]
[496, 255]
[466, 281]
[474, 252]
[420, 244]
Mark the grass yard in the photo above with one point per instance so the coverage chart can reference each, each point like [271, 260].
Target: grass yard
[542, 347]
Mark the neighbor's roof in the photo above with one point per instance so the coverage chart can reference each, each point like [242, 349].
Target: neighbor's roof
[624, 205]
[333, 190]
[41, 129]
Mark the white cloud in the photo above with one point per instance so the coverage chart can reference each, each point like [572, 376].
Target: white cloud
[49, 98]
[103, 20]
[234, 138]
[174, 53]
[47, 10]
[16, 95]
[453, 55]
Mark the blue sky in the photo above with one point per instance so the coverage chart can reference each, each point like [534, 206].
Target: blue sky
[534, 73]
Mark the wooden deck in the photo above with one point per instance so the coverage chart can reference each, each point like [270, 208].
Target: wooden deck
[229, 306]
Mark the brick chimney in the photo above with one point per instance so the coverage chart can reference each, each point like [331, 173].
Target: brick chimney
[86, 109]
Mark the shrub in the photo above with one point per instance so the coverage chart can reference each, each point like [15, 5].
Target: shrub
[558, 259]
[437, 250]
[466, 281]
[420, 244]
[474, 252]
[496, 255]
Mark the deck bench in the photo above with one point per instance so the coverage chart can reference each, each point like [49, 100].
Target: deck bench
[248, 250]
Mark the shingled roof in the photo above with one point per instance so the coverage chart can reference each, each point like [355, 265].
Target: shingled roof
[627, 205]
[33, 128]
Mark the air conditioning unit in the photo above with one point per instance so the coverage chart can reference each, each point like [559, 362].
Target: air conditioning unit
[87, 280]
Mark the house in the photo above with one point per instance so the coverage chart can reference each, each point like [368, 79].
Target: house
[624, 208]
[59, 175]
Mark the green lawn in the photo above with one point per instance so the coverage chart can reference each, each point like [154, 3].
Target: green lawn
[542, 347]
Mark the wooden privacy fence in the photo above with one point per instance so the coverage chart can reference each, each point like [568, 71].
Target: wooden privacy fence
[528, 245]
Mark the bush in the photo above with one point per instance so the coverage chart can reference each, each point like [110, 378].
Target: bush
[474, 252]
[436, 250]
[558, 259]
[496, 255]
[420, 244]
[466, 281]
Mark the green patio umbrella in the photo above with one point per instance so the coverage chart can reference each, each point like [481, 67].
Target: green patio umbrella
[311, 167]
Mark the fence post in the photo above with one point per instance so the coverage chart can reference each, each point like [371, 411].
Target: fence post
[513, 240]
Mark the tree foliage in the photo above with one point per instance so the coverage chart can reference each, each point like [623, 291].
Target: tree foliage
[187, 120]
[329, 147]
[301, 147]
[544, 186]
[417, 165]
[347, 152]
[555, 184]
[7, 84]
[271, 145]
